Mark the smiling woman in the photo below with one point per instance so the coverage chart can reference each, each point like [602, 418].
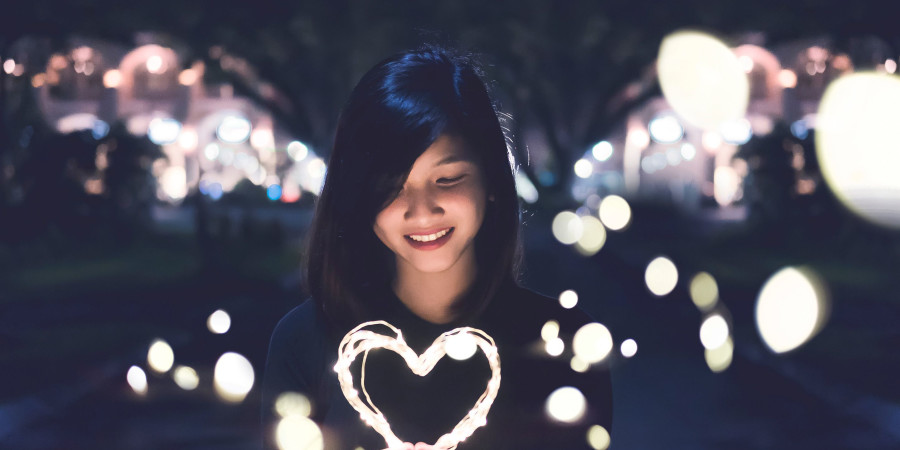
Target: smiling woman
[418, 226]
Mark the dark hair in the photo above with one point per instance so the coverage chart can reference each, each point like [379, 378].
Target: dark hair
[398, 109]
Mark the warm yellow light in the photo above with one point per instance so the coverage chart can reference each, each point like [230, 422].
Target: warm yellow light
[593, 236]
[713, 331]
[614, 212]
[702, 79]
[857, 145]
[787, 78]
[316, 168]
[461, 346]
[598, 438]
[296, 432]
[297, 150]
[578, 365]
[186, 378]
[219, 322]
[592, 343]
[566, 404]
[628, 348]
[155, 64]
[262, 139]
[790, 309]
[38, 80]
[160, 356]
[719, 358]
[711, 141]
[550, 330]
[137, 379]
[704, 291]
[661, 276]
[233, 377]
[174, 182]
[293, 404]
[188, 77]
[567, 227]
[112, 79]
[188, 139]
[584, 168]
[726, 185]
[568, 299]
[555, 346]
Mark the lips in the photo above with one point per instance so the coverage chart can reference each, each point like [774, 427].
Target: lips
[429, 240]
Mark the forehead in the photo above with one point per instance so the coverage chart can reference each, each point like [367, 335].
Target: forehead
[446, 149]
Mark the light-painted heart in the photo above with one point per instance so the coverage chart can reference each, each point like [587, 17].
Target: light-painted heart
[460, 343]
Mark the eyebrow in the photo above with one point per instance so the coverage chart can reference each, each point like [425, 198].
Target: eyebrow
[453, 159]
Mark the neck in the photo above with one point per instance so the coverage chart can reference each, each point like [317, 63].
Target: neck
[432, 296]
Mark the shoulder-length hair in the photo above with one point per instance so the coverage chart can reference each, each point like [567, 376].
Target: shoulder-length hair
[398, 109]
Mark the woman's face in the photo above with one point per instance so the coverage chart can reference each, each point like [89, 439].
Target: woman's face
[431, 224]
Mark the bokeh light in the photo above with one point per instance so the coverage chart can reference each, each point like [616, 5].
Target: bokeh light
[702, 79]
[567, 227]
[293, 404]
[584, 168]
[790, 309]
[661, 276]
[112, 79]
[736, 132]
[593, 236]
[550, 330]
[163, 130]
[160, 356]
[297, 150]
[234, 129]
[174, 182]
[665, 129]
[719, 358]
[578, 365]
[555, 346]
[726, 185]
[688, 151]
[296, 432]
[137, 379]
[186, 378]
[566, 404]
[628, 348]
[568, 299]
[602, 151]
[614, 212]
[704, 291]
[460, 346]
[219, 322]
[857, 145]
[713, 331]
[233, 377]
[592, 343]
[598, 438]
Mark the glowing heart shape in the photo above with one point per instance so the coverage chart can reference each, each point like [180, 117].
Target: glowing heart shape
[360, 340]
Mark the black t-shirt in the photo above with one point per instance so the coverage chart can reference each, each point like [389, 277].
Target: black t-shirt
[303, 352]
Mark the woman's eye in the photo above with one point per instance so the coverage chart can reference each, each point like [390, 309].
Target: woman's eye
[450, 180]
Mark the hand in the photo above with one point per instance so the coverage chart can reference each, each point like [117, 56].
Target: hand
[409, 446]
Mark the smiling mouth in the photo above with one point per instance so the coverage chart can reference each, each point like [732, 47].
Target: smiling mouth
[429, 237]
[429, 241]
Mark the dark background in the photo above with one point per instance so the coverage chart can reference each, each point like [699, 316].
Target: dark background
[88, 281]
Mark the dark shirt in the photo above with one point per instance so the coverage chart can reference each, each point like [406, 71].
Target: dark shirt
[303, 352]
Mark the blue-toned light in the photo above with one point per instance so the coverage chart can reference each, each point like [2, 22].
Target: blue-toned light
[214, 190]
[799, 129]
[100, 129]
[273, 192]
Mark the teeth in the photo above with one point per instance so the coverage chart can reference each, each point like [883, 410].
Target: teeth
[428, 237]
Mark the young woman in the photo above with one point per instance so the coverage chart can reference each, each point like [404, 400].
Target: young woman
[418, 225]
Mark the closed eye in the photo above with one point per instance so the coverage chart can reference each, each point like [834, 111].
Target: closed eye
[449, 181]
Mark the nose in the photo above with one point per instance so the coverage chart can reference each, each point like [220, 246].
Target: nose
[422, 206]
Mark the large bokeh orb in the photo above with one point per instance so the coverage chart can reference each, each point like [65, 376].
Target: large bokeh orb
[858, 144]
[702, 79]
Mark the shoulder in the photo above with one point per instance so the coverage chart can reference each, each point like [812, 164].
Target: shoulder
[301, 326]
